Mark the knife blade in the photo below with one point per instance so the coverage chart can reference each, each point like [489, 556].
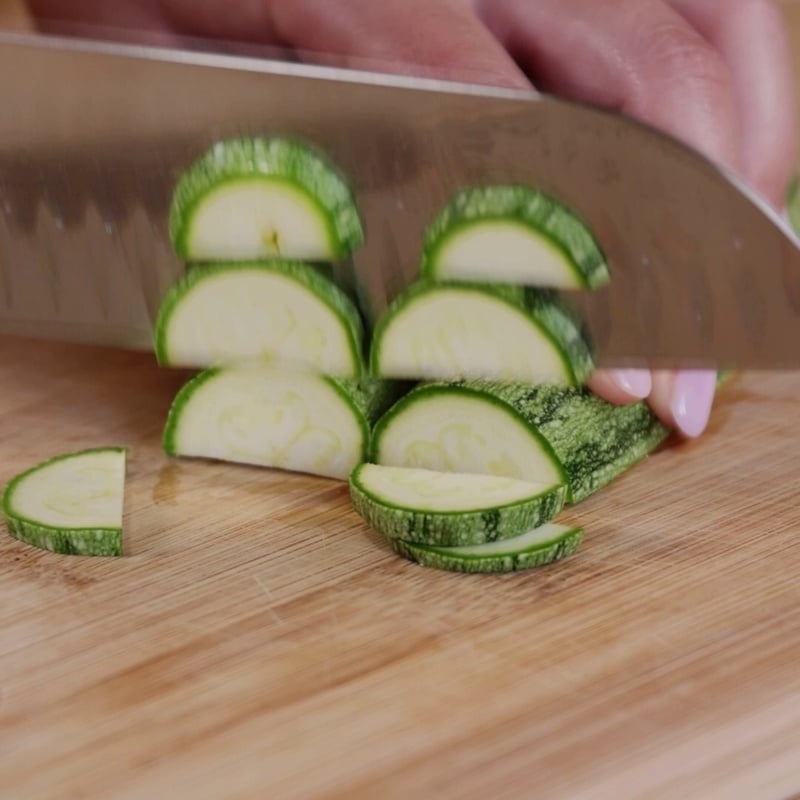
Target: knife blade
[93, 136]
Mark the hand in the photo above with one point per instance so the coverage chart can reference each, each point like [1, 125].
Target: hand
[714, 73]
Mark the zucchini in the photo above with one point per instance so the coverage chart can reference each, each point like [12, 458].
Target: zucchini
[272, 417]
[435, 331]
[281, 312]
[512, 234]
[71, 503]
[543, 545]
[535, 433]
[255, 198]
[440, 508]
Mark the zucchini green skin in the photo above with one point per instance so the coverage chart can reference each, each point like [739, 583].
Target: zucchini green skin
[64, 541]
[551, 314]
[452, 559]
[454, 528]
[589, 440]
[556, 224]
[595, 440]
[368, 399]
[457, 390]
[305, 275]
[372, 396]
[269, 159]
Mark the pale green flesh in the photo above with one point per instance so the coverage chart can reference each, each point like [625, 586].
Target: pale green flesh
[428, 490]
[447, 335]
[258, 218]
[543, 535]
[274, 418]
[84, 491]
[465, 434]
[500, 251]
[249, 315]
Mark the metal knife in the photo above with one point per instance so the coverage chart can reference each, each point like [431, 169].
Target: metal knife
[93, 136]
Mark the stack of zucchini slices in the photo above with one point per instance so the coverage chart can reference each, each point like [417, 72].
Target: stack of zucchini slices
[279, 345]
[469, 470]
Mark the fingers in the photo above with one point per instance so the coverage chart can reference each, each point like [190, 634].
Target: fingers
[621, 386]
[637, 56]
[443, 39]
[751, 35]
[714, 73]
[145, 15]
[684, 399]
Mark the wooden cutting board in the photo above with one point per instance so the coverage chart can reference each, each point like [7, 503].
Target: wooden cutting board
[257, 640]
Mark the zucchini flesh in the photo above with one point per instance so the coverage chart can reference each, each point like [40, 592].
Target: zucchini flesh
[524, 431]
[278, 312]
[440, 508]
[71, 503]
[272, 417]
[512, 234]
[248, 199]
[451, 331]
[453, 428]
[543, 545]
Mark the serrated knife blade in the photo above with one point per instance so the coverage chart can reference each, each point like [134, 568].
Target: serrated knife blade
[93, 136]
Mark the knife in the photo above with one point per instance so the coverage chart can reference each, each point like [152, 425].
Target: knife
[93, 137]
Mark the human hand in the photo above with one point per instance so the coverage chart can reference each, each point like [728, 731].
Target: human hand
[714, 73]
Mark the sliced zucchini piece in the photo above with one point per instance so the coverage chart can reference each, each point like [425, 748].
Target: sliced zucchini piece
[441, 508]
[255, 198]
[543, 545]
[70, 504]
[278, 312]
[272, 417]
[535, 433]
[435, 331]
[512, 234]
[451, 427]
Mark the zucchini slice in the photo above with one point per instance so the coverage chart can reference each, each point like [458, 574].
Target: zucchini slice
[271, 417]
[70, 504]
[543, 545]
[441, 508]
[535, 433]
[452, 331]
[280, 312]
[512, 234]
[255, 198]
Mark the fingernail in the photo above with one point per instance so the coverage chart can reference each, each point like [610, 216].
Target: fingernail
[636, 382]
[692, 396]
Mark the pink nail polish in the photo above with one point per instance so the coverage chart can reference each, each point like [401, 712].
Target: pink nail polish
[692, 396]
[635, 382]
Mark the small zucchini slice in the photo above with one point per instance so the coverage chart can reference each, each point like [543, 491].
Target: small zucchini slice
[453, 331]
[546, 544]
[279, 312]
[512, 234]
[440, 508]
[71, 503]
[264, 197]
[272, 417]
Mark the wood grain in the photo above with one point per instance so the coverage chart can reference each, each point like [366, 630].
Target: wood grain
[257, 641]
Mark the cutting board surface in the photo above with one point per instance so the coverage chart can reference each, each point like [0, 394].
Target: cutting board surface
[257, 640]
